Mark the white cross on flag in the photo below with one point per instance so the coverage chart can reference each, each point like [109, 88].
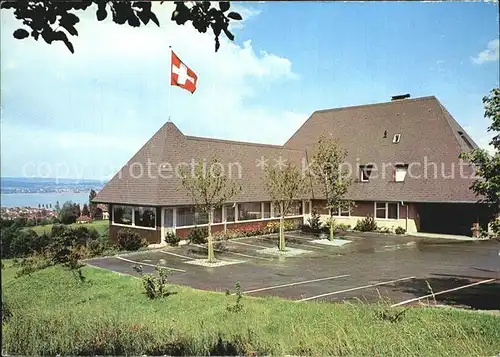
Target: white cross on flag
[181, 75]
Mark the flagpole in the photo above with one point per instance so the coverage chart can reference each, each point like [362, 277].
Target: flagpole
[170, 83]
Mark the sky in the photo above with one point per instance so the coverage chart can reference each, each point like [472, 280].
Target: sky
[84, 115]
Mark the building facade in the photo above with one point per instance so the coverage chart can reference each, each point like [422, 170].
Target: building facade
[402, 155]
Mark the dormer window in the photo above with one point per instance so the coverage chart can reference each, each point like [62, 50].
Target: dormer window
[396, 138]
[466, 141]
[400, 172]
[365, 172]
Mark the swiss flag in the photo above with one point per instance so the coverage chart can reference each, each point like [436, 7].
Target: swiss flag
[181, 75]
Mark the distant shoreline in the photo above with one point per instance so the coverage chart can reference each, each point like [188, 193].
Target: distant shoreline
[10, 200]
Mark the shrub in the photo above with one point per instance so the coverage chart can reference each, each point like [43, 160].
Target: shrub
[32, 264]
[384, 230]
[314, 221]
[400, 230]
[23, 243]
[495, 227]
[366, 224]
[198, 235]
[237, 305]
[154, 286]
[343, 227]
[172, 239]
[129, 239]
[84, 235]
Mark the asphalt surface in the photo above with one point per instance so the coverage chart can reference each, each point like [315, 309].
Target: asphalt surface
[371, 268]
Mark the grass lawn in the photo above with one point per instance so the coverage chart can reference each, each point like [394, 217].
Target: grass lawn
[52, 312]
[100, 225]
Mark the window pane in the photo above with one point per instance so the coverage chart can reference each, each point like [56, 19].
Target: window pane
[295, 209]
[201, 218]
[380, 213]
[307, 211]
[217, 215]
[145, 217]
[320, 207]
[267, 209]
[400, 174]
[122, 214]
[169, 217]
[344, 212]
[380, 205]
[393, 210]
[248, 211]
[185, 216]
[229, 213]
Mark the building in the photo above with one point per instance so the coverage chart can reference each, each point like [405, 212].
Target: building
[403, 156]
[83, 219]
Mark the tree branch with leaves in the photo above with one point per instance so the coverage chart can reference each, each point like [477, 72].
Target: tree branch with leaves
[209, 188]
[488, 165]
[285, 186]
[327, 170]
[55, 20]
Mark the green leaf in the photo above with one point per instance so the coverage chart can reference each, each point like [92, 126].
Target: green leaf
[20, 34]
[224, 5]
[229, 34]
[133, 21]
[101, 14]
[144, 17]
[234, 15]
[154, 19]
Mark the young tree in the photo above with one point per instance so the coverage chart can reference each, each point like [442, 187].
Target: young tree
[285, 185]
[85, 210]
[488, 166]
[209, 188]
[49, 18]
[326, 169]
[92, 206]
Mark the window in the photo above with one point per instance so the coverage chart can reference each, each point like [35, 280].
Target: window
[169, 217]
[306, 207]
[217, 215]
[295, 209]
[400, 172]
[396, 138]
[387, 210]
[135, 216]
[466, 141]
[249, 210]
[365, 172]
[230, 213]
[122, 215]
[267, 209]
[185, 216]
[145, 217]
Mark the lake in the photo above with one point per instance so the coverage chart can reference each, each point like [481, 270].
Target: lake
[33, 199]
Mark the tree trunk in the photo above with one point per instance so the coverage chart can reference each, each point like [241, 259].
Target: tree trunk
[331, 225]
[211, 257]
[282, 229]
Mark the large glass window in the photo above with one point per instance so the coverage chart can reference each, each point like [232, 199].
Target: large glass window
[217, 217]
[295, 209]
[185, 216]
[122, 215]
[387, 210]
[249, 210]
[229, 213]
[145, 216]
[267, 209]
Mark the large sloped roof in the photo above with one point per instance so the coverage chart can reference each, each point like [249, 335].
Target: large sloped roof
[170, 148]
[429, 134]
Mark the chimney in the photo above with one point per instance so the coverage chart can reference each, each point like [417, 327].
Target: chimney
[400, 97]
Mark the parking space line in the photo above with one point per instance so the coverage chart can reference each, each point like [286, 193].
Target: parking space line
[442, 292]
[353, 289]
[176, 255]
[235, 253]
[251, 245]
[147, 264]
[297, 283]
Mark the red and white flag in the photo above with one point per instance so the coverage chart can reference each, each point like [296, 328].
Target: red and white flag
[181, 75]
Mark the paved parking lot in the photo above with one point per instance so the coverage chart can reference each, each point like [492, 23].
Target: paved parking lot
[400, 270]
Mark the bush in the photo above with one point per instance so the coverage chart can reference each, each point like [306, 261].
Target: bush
[32, 264]
[367, 224]
[23, 243]
[172, 239]
[384, 230]
[154, 286]
[198, 235]
[400, 230]
[343, 227]
[129, 239]
[314, 221]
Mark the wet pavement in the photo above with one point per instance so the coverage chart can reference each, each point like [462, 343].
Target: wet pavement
[371, 268]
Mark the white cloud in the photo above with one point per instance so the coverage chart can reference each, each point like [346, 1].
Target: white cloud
[106, 100]
[491, 53]
[482, 137]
